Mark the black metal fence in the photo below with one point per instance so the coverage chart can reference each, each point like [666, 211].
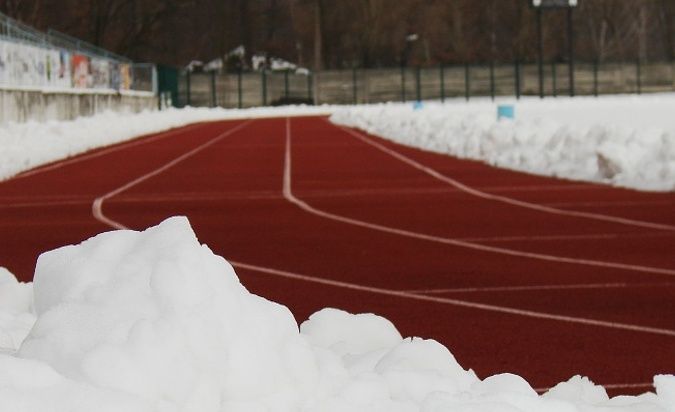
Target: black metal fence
[359, 86]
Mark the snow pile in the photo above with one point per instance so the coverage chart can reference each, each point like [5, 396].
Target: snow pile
[154, 321]
[27, 145]
[621, 140]
[16, 311]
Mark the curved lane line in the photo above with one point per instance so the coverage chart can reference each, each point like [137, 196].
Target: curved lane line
[288, 194]
[503, 199]
[97, 206]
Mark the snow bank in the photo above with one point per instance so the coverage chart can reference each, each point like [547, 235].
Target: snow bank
[620, 140]
[16, 311]
[27, 145]
[154, 321]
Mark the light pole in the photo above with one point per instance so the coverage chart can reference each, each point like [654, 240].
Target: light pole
[540, 5]
[409, 40]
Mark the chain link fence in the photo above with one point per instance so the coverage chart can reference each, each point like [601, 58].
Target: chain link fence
[361, 86]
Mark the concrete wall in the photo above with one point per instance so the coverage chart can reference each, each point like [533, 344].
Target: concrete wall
[38, 105]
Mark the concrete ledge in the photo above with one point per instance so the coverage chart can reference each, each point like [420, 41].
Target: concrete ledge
[42, 105]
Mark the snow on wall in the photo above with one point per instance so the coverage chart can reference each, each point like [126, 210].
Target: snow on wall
[154, 321]
[620, 140]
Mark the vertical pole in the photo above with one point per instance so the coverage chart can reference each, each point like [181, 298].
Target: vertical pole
[214, 102]
[595, 77]
[239, 90]
[540, 53]
[403, 83]
[492, 80]
[442, 73]
[187, 79]
[286, 84]
[639, 76]
[570, 39]
[517, 75]
[310, 94]
[418, 84]
[467, 82]
[264, 87]
[555, 79]
[354, 95]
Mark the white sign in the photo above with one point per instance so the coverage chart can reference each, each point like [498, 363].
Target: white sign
[554, 3]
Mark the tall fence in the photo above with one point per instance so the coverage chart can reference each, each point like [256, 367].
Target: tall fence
[358, 86]
[33, 59]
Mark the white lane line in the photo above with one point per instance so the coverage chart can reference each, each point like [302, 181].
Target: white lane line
[288, 194]
[552, 238]
[503, 199]
[97, 206]
[115, 148]
[611, 386]
[542, 287]
[452, 302]
[618, 203]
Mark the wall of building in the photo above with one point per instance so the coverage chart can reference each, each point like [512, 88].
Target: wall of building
[39, 105]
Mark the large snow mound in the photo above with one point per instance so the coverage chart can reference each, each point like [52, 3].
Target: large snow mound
[24, 146]
[154, 321]
[625, 141]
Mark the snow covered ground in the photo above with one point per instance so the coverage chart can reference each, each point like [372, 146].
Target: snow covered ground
[154, 321]
[620, 140]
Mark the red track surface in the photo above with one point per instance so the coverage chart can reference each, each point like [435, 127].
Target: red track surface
[320, 216]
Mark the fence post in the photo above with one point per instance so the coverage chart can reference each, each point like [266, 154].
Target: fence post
[555, 79]
[418, 84]
[264, 87]
[239, 90]
[492, 80]
[517, 75]
[540, 53]
[570, 36]
[286, 84]
[214, 102]
[595, 77]
[187, 79]
[639, 77]
[467, 82]
[310, 93]
[403, 83]
[355, 97]
[442, 73]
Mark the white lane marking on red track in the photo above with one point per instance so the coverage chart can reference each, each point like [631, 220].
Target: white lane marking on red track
[616, 203]
[553, 238]
[288, 194]
[97, 206]
[115, 148]
[503, 199]
[526, 288]
[97, 209]
[453, 302]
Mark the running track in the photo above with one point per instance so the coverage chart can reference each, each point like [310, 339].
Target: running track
[540, 277]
